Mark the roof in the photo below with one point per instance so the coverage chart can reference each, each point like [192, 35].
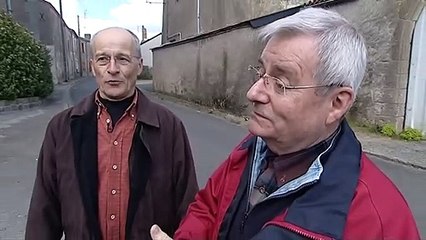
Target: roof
[258, 22]
[149, 39]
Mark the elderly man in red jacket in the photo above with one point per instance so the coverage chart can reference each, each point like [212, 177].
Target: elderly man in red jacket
[301, 174]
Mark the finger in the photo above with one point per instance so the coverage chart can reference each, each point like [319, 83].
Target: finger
[158, 234]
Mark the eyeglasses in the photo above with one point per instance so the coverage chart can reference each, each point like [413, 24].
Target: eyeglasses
[122, 60]
[278, 85]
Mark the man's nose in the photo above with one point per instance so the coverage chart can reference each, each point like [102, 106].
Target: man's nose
[113, 67]
[257, 93]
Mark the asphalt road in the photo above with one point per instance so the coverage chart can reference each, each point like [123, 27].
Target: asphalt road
[212, 139]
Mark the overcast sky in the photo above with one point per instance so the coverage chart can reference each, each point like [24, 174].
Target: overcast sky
[96, 15]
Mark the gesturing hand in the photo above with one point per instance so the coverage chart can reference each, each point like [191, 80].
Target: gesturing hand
[158, 234]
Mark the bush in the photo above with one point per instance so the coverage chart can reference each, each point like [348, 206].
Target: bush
[146, 73]
[24, 63]
[411, 134]
[388, 130]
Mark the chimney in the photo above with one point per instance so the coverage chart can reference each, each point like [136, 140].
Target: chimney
[144, 34]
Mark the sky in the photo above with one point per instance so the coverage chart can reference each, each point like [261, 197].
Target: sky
[96, 15]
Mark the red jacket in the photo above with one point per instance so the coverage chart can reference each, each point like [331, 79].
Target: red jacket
[372, 209]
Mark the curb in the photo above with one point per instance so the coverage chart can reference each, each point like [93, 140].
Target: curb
[20, 104]
[395, 160]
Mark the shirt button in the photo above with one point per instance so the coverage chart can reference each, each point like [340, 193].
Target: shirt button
[133, 115]
[113, 192]
[114, 167]
[115, 143]
[112, 217]
[108, 120]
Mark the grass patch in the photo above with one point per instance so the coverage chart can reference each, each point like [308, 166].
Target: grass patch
[387, 130]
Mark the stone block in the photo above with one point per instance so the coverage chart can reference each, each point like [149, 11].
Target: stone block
[402, 40]
[2, 103]
[402, 81]
[390, 95]
[385, 75]
[398, 122]
[389, 109]
[411, 9]
[403, 66]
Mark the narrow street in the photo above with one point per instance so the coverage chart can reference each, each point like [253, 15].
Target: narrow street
[212, 138]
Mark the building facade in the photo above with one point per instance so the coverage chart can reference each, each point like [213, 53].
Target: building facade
[146, 47]
[45, 23]
[207, 46]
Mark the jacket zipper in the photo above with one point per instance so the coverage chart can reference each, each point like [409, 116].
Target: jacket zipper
[304, 234]
[247, 212]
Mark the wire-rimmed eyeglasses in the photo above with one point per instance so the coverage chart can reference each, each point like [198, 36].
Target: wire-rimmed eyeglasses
[278, 85]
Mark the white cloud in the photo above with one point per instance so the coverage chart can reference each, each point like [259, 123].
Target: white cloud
[131, 15]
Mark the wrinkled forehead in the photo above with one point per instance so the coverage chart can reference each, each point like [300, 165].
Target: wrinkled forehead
[114, 41]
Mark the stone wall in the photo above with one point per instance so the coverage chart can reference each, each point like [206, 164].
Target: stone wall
[181, 16]
[212, 71]
[387, 26]
[195, 69]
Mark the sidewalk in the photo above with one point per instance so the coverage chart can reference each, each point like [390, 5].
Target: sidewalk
[407, 153]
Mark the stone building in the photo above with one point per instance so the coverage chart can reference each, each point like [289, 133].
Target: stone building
[207, 46]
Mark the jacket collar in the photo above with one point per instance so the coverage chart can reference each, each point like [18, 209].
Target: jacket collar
[146, 112]
[328, 201]
[324, 208]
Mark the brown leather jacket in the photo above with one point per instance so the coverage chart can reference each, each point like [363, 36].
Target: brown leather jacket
[65, 195]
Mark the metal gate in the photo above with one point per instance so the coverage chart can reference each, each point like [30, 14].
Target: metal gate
[415, 116]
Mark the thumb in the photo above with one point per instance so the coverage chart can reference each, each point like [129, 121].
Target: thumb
[158, 234]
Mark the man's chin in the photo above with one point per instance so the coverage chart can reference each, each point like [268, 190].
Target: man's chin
[254, 128]
[114, 96]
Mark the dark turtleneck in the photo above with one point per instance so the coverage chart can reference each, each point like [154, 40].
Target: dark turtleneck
[116, 109]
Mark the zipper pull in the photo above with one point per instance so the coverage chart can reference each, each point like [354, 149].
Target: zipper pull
[243, 222]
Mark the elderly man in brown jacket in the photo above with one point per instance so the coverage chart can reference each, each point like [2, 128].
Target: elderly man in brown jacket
[115, 163]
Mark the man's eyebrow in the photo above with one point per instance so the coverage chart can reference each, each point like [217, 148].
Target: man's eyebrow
[288, 68]
[100, 54]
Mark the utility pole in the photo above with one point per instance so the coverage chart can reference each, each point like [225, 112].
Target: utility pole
[164, 27]
[78, 25]
[9, 7]
[63, 42]
[80, 65]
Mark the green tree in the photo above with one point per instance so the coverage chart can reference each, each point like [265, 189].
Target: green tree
[24, 63]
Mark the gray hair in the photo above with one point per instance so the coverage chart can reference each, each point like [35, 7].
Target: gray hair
[135, 39]
[341, 48]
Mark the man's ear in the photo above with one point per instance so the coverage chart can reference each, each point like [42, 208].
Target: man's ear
[140, 67]
[92, 68]
[342, 99]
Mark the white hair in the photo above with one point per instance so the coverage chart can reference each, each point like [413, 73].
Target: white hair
[134, 37]
[341, 48]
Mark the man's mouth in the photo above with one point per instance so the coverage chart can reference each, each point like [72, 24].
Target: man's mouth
[257, 114]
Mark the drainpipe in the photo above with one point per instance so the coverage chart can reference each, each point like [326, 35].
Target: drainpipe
[63, 42]
[9, 7]
[198, 17]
